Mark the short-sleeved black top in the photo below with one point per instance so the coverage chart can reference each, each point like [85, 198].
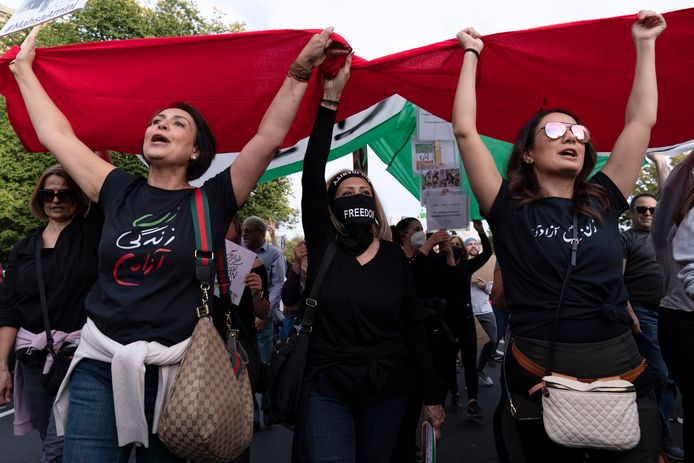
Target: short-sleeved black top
[147, 290]
[532, 243]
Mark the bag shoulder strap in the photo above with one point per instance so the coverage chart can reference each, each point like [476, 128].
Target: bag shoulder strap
[312, 301]
[204, 256]
[42, 295]
[567, 275]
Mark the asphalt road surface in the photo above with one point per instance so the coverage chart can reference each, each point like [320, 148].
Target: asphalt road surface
[463, 440]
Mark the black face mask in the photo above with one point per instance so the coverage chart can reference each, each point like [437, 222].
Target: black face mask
[357, 214]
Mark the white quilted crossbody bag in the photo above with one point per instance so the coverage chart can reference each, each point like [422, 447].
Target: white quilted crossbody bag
[599, 415]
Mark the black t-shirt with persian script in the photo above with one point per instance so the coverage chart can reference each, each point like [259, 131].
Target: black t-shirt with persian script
[147, 290]
[532, 243]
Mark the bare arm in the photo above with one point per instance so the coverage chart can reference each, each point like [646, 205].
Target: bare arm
[625, 161]
[259, 151]
[636, 327]
[497, 295]
[258, 288]
[662, 169]
[53, 128]
[7, 337]
[485, 180]
[431, 242]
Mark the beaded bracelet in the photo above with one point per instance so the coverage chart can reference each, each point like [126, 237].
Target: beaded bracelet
[475, 52]
[298, 72]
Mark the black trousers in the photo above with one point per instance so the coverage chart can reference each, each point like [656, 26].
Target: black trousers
[676, 337]
[526, 440]
[464, 331]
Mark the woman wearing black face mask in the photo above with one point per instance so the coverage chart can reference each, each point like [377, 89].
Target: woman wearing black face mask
[367, 338]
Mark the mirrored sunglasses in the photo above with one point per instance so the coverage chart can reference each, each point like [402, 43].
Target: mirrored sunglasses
[64, 196]
[555, 130]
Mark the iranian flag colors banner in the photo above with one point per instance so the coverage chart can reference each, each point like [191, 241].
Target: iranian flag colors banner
[387, 128]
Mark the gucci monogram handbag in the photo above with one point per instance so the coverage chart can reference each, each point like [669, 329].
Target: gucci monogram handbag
[208, 413]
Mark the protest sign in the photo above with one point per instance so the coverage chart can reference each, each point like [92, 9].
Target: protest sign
[239, 264]
[33, 12]
[446, 211]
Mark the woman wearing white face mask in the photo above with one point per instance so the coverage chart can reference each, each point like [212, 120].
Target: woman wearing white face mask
[433, 279]
[455, 276]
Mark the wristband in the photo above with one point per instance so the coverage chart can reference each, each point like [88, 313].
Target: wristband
[298, 72]
[472, 50]
[334, 102]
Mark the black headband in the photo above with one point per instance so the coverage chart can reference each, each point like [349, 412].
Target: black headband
[344, 175]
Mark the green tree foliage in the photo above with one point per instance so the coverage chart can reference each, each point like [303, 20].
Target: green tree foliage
[269, 201]
[647, 183]
[109, 20]
[18, 174]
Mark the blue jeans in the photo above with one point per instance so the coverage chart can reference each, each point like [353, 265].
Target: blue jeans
[337, 432]
[287, 327]
[90, 432]
[647, 340]
[266, 340]
[501, 316]
[40, 407]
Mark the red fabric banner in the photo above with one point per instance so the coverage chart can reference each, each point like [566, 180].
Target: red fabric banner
[110, 90]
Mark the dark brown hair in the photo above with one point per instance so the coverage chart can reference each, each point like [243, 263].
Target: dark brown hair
[236, 224]
[401, 229]
[204, 141]
[37, 207]
[523, 184]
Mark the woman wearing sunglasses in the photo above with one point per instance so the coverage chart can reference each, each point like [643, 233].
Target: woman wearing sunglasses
[531, 216]
[141, 309]
[68, 243]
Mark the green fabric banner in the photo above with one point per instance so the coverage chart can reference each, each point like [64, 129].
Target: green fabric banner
[394, 149]
[391, 141]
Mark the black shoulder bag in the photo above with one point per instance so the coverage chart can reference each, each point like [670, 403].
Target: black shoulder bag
[288, 364]
[63, 356]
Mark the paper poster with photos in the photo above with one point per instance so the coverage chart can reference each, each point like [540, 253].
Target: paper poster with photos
[444, 180]
[430, 127]
[433, 154]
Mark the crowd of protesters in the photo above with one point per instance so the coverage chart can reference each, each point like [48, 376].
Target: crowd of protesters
[402, 308]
